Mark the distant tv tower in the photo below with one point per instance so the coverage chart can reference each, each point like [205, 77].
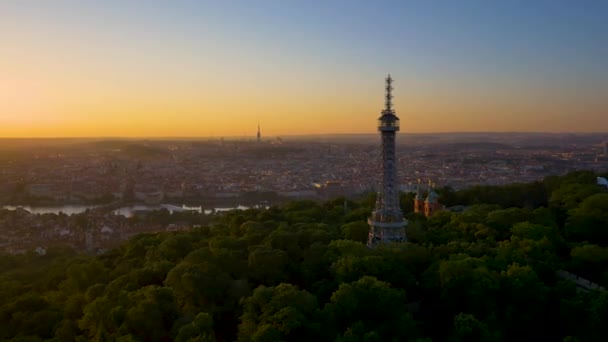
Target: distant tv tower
[386, 224]
[259, 133]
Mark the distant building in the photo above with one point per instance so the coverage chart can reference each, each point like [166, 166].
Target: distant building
[259, 134]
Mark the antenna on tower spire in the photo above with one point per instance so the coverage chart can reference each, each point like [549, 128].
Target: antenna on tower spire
[388, 98]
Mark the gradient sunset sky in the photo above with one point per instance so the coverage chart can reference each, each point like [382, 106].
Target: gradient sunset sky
[217, 68]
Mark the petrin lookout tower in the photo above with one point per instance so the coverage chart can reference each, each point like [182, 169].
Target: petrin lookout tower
[386, 224]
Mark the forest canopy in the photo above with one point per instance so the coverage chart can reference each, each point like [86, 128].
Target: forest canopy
[302, 272]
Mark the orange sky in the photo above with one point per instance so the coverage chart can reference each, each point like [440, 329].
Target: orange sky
[70, 71]
[150, 106]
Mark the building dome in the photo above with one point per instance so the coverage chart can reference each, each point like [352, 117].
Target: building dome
[432, 197]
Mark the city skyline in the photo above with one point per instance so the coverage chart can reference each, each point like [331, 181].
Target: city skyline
[201, 69]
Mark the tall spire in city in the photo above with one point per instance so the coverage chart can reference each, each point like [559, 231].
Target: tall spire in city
[388, 98]
[259, 133]
[386, 221]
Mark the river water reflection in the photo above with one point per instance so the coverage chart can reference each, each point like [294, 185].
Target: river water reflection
[126, 211]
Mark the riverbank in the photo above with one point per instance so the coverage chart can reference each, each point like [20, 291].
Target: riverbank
[127, 210]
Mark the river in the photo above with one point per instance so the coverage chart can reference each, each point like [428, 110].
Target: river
[126, 211]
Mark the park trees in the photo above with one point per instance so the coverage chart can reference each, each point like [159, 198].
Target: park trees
[279, 313]
[302, 272]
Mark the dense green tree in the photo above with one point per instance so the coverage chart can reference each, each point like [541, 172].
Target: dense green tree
[503, 219]
[590, 261]
[198, 285]
[381, 307]
[356, 231]
[199, 330]
[489, 273]
[589, 221]
[268, 265]
[527, 230]
[82, 275]
[567, 197]
[468, 328]
[282, 313]
[598, 316]
[521, 287]
[476, 285]
[175, 247]
[255, 232]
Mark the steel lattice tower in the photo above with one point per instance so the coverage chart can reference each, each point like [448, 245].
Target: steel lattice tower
[386, 223]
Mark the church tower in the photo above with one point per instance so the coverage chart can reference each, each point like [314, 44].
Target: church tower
[386, 221]
[418, 200]
[431, 204]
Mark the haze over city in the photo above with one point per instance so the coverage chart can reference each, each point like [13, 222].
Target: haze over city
[214, 68]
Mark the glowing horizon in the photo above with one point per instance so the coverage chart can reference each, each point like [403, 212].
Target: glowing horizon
[194, 69]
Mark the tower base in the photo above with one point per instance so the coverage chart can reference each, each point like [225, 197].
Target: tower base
[386, 232]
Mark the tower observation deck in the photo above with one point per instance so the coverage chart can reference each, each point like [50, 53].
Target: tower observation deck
[386, 223]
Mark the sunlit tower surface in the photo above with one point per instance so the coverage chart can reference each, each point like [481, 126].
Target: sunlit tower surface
[386, 224]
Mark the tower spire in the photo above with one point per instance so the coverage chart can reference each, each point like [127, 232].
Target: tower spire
[388, 97]
[259, 136]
